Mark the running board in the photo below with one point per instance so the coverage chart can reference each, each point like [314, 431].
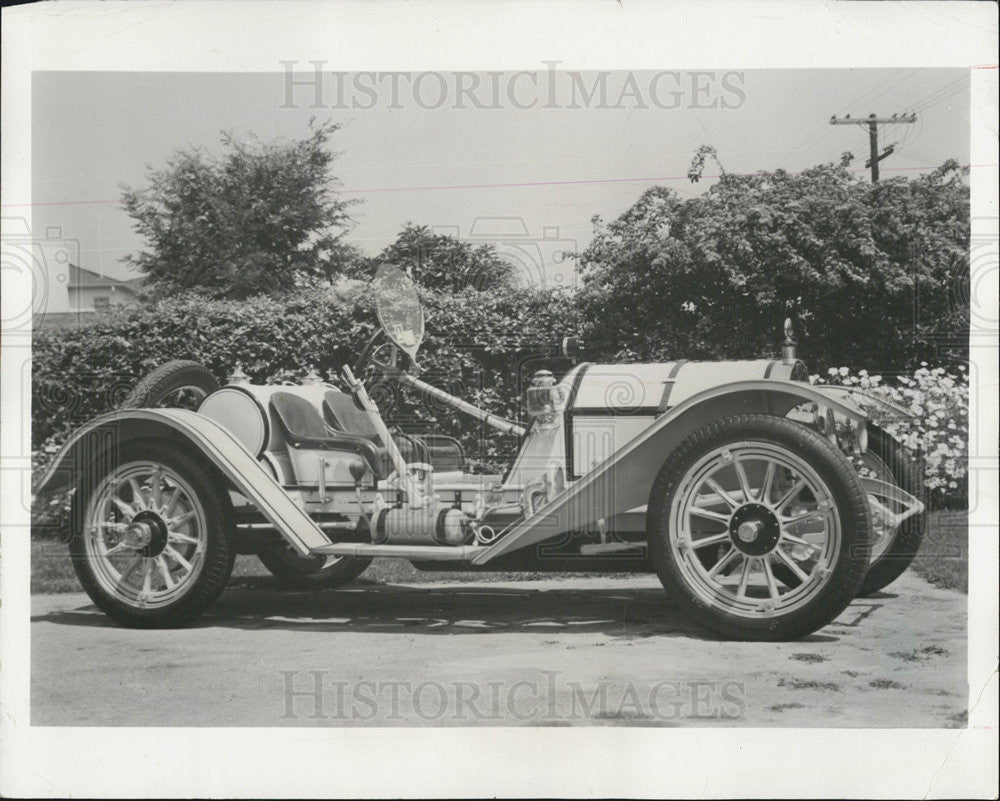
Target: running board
[436, 553]
[597, 548]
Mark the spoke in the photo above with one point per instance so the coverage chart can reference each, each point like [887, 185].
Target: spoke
[176, 536]
[715, 539]
[138, 500]
[177, 558]
[765, 487]
[791, 565]
[772, 587]
[180, 521]
[165, 572]
[744, 482]
[745, 576]
[885, 515]
[799, 541]
[168, 507]
[789, 521]
[147, 577]
[128, 571]
[121, 546]
[725, 560]
[157, 498]
[795, 490]
[708, 514]
[721, 492]
[126, 510]
[113, 526]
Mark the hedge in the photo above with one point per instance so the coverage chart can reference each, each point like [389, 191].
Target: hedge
[480, 346]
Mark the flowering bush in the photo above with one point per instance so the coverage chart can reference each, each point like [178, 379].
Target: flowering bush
[938, 434]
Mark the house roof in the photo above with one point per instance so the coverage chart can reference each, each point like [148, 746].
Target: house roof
[82, 277]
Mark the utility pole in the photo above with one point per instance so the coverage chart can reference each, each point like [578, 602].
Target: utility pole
[873, 122]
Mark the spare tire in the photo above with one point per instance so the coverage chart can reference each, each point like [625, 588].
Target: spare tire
[178, 384]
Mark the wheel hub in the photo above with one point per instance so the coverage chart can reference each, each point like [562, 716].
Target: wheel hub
[754, 529]
[147, 533]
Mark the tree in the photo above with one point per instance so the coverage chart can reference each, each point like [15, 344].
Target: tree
[259, 219]
[443, 263]
[872, 274]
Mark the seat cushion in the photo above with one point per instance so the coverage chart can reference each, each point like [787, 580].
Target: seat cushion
[304, 428]
[344, 414]
[444, 453]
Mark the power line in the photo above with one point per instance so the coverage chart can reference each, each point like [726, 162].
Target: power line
[811, 142]
[935, 97]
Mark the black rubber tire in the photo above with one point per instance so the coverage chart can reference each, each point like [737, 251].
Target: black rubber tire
[167, 379]
[834, 470]
[307, 573]
[904, 471]
[219, 552]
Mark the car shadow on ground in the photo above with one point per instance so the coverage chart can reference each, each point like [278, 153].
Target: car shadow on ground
[621, 613]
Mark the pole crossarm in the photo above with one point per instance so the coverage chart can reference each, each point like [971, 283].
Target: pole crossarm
[868, 120]
[873, 122]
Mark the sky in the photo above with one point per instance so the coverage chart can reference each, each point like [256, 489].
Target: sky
[520, 160]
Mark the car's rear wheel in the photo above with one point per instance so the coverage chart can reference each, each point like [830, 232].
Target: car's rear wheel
[741, 497]
[310, 572]
[894, 547]
[151, 535]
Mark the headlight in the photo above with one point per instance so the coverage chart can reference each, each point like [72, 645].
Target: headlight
[544, 398]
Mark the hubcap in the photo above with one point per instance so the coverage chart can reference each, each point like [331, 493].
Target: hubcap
[754, 529]
[151, 533]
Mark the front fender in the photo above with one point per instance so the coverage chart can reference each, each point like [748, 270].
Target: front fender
[878, 408]
[623, 482]
[203, 435]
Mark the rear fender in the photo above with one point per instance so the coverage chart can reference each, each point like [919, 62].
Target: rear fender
[623, 482]
[110, 431]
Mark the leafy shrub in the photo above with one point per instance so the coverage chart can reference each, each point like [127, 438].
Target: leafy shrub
[939, 432]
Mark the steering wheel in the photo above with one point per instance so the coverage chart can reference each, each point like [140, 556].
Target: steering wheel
[381, 354]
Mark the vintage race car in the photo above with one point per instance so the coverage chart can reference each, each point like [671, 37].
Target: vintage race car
[763, 503]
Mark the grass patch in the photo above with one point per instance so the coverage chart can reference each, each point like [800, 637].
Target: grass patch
[944, 554]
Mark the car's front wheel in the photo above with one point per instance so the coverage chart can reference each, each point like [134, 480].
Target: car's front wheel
[746, 500]
[152, 532]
